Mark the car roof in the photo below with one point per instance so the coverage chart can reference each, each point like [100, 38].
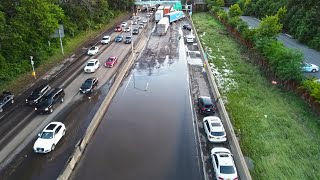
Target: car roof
[106, 36]
[214, 123]
[53, 92]
[52, 126]
[92, 60]
[206, 99]
[225, 159]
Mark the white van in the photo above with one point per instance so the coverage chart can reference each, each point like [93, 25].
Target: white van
[190, 38]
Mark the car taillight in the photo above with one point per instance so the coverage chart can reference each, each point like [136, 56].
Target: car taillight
[220, 178]
[235, 178]
[203, 108]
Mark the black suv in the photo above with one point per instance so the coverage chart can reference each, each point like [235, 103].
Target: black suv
[135, 31]
[50, 101]
[89, 85]
[128, 40]
[37, 94]
[187, 27]
[206, 105]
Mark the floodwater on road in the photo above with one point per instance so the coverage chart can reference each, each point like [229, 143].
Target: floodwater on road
[147, 131]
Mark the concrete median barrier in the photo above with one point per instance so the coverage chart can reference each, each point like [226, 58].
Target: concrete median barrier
[242, 167]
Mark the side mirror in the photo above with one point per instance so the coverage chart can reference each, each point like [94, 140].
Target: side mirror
[39, 134]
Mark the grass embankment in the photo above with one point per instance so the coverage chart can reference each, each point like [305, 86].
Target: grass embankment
[19, 83]
[277, 129]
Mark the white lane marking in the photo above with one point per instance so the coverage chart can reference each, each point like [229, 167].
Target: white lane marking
[146, 86]
[127, 84]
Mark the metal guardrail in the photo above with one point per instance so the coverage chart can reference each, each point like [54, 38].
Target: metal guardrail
[240, 162]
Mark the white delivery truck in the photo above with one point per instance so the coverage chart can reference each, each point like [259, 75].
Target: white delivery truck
[162, 26]
[158, 15]
[190, 38]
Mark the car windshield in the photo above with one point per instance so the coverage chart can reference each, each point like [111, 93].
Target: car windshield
[208, 106]
[217, 133]
[110, 59]
[128, 37]
[227, 170]
[90, 64]
[92, 48]
[105, 38]
[46, 135]
[118, 37]
[46, 101]
[87, 84]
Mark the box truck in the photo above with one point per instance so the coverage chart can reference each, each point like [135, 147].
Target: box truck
[160, 8]
[158, 15]
[163, 26]
[174, 16]
[166, 9]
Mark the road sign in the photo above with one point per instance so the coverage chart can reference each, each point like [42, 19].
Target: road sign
[58, 33]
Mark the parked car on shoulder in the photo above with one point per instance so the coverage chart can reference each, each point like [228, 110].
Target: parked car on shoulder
[111, 61]
[105, 40]
[92, 65]
[89, 85]
[206, 105]
[50, 101]
[214, 129]
[37, 94]
[49, 137]
[135, 31]
[308, 67]
[93, 50]
[187, 27]
[6, 98]
[128, 40]
[118, 28]
[118, 38]
[223, 164]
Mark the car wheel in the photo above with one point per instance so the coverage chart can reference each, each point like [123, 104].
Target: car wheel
[62, 100]
[51, 110]
[313, 70]
[12, 101]
[52, 147]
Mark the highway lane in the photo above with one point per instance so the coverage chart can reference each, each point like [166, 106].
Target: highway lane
[76, 112]
[147, 132]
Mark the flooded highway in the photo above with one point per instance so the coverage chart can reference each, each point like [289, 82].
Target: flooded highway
[147, 131]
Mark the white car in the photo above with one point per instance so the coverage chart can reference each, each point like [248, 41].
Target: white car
[145, 20]
[127, 29]
[308, 67]
[223, 164]
[124, 24]
[93, 50]
[138, 18]
[214, 129]
[105, 40]
[135, 22]
[92, 66]
[49, 137]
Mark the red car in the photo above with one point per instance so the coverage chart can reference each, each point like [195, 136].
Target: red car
[118, 28]
[111, 61]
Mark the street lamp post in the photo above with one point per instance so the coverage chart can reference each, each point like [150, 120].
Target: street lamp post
[32, 64]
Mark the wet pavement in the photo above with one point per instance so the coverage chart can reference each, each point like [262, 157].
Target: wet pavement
[148, 132]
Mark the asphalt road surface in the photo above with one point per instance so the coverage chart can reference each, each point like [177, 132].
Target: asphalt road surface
[76, 113]
[148, 132]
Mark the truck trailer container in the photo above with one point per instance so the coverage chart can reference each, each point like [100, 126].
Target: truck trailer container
[174, 16]
[162, 26]
[158, 15]
[166, 9]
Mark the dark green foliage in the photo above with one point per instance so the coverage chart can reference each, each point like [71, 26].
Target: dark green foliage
[26, 26]
[285, 62]
[301, 20]
[313, 86]
[235, 10]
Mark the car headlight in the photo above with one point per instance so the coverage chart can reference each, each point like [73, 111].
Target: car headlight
[46, 109]
[26, 100]
[35, 108]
